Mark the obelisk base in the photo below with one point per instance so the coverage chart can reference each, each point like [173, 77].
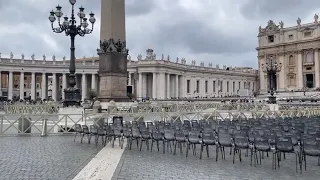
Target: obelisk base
[113, 87]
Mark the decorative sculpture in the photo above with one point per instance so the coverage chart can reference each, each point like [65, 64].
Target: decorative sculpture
[44, 57]
[210, 64]
[64, 58]
[83, 57]
[11, 55]
[260, 28]
[0, 55]
[177, 61]
[139, 57]
[183, 61]
[316, 17]
[129, 57]
[54, 58]
[22, 56]
[299, 21]
[32, 56]
[168, 58]
[281, 24]
[154, 56]
[162, 56]
[202, 64]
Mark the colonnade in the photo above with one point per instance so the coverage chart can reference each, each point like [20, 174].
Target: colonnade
[16, 84]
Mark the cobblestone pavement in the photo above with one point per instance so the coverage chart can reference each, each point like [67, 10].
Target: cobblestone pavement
[135, 164]
[52, 157]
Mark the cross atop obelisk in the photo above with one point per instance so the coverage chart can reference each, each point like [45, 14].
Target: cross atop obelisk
[113, 52]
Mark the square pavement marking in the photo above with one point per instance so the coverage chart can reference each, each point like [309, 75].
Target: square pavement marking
[54, 157]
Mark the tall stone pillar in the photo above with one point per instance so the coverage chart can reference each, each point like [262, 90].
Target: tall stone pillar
[168, 86]
[154, 85]
[282, 77]
[64, 84]
[83, 87]
[113, 52]
[316, 68]
[299, 73]
[140, 86]
[93, 82]
[44, 86]
[10, 85]
[162, 91]
[21, 85]
[177, 86]
[33, 85]
[0, 82]
[54, 87]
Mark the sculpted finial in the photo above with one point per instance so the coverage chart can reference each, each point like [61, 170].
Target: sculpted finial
[299, 21]
[316, 17]
[22, 56]
[129, 57]
[139, 57]
[32, 56]
[64, 58]
[53, 57]
[162, 57]
[281, 24]
[44, 57]
[11, 55]
[177, 60]
[168, 58]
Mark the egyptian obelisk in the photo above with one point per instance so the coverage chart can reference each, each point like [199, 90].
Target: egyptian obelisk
[113, 52]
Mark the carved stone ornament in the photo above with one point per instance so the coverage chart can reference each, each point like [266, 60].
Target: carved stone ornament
[112, 46]
[168, 58]
[129, 57]
[299, 21]
[53, 57]
[64, 58]
[11, 55]
[32, 56]
[162, 56]
[177, 61]
[272, 28]
[316, 17]
[22, 56]
[281, 24]
[44, 57]
[139, 57]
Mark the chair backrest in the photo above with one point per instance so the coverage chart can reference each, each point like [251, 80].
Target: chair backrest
[169, 134]
[136, 132]
[77, 128]
[208, 136]
[224, 138]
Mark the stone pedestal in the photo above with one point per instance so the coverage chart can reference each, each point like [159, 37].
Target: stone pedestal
[113, 71]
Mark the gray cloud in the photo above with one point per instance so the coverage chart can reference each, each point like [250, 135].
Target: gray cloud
[221, 32]
[284, 9]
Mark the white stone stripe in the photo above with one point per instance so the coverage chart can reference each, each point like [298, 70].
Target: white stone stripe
[103, 165]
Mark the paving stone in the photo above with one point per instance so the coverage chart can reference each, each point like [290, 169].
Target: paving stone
[52, 157]
[135, 164]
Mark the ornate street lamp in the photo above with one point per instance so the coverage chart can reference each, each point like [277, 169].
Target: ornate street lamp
[272, 69]
[69, 26]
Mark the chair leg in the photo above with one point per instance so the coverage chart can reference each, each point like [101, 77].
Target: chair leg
[158, 145]
[234, 154]
[180, 147]
[89, 138]
[141, 144]
[240, 158]
[81, 138]
[175, 148]
[151, 145]
[75, 135]
[217, 152]
[164, 146]
[305, 162]
[201, 149]
[207, 148]
[97, 139]
[188, 145]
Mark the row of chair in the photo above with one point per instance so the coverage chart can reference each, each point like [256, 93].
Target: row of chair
[277, 136]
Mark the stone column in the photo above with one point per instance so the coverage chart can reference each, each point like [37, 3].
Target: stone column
[183, 86]
[282, 77]
[154, 85]
[54, 87]
[162, 86]
[44, 86]
[10, 85]
[64, 84]
[299, 71]
[168, 86]
[93, 82]
[140, 88]
[177, 86]
[21, 85]
[0, 82]
[84, 87]
[33, 85]
[316, 68]
[130, 79]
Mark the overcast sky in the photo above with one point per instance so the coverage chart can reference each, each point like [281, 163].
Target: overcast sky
[217, 31]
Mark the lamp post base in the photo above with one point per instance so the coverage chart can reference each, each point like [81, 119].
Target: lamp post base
[72, 97]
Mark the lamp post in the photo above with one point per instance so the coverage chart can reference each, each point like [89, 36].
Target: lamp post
[272, 69]
[70, 28]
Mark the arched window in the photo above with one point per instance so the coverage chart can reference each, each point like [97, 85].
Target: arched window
[291, 60]
[309, 57]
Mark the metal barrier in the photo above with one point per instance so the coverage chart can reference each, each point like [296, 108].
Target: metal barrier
[31, 109]
[44, 124]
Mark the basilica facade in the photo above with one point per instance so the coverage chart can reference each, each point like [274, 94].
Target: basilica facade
[293, 54]
[149, 76]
